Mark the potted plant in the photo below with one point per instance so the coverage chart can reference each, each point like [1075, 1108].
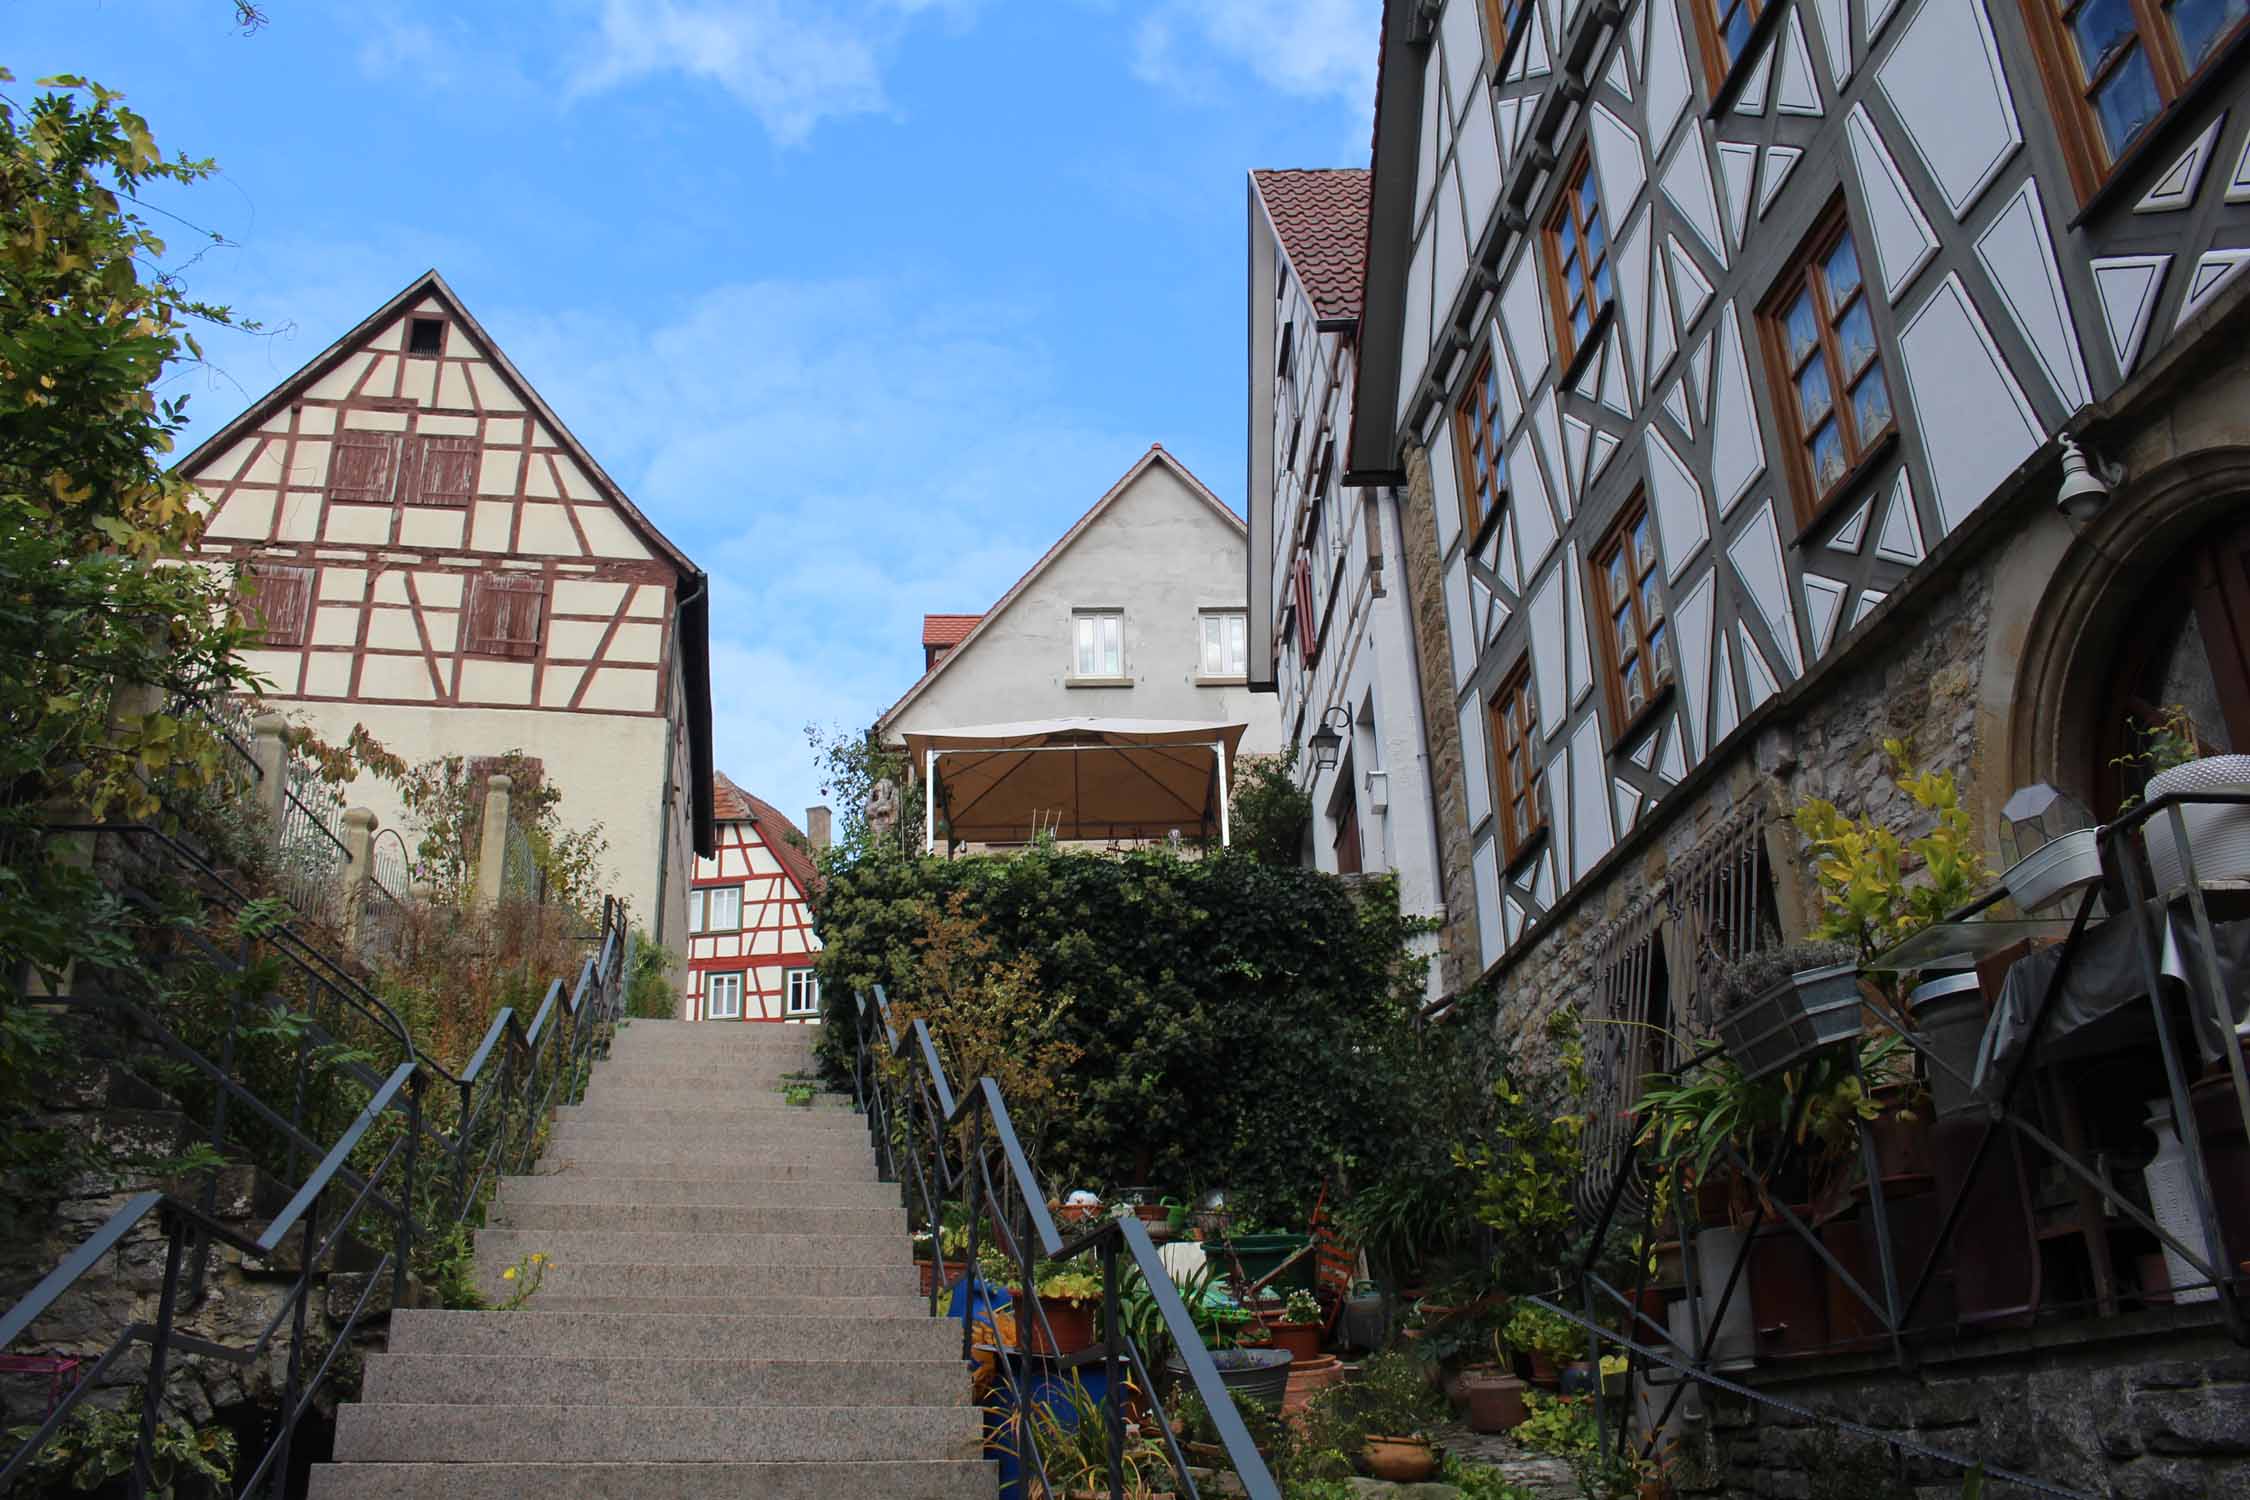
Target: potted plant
[2217, 834]
[1070, 1429]
[1394, 1406]
[1068, 1294]
[1546, 1340]
[939, 1258]
[1779, 1005]
[1298, 1328]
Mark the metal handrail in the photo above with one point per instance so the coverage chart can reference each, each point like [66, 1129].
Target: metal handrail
[554, 1067]
[1114, 1241]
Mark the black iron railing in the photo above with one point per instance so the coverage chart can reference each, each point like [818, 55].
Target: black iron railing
[1612, 1317]
[944, 1148]
[411, 1167]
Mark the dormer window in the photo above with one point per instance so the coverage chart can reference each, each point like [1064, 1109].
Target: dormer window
[426, 337]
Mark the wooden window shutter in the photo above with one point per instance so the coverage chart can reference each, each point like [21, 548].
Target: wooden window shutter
[1308, 629]
[362, 466]
[442, 470]
[280, 604]
[504, 615]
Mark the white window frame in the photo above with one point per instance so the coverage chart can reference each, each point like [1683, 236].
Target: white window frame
[713, 982]
[1223, 641]
[803, 993]
[695, 911]
[1097, 645]
[711, 896]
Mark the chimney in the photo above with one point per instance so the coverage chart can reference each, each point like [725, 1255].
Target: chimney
[816, 827]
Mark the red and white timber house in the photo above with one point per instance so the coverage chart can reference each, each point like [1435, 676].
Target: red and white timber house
[751, 945]
[431, 553]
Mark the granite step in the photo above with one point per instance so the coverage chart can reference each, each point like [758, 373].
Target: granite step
[585, 1185]
[567, 1278]
[702, 1218]
[417, 1432]
[497, 1380]
[591, 1335]
[911, 1479]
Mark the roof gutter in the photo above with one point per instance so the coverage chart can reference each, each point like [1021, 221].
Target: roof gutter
[695, 661]
[1371, 453]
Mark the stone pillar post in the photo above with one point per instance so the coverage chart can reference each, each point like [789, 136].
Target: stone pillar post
[359, 843]
[817, 826]
[270, 748]
[492, 844]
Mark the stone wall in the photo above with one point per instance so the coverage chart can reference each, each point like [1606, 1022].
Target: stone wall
[1441, 720]
[2147, 1407]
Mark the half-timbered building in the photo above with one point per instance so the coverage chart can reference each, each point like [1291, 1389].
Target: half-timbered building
[1326, 556]
[1759, 381]
[752, 948]
[429, 551]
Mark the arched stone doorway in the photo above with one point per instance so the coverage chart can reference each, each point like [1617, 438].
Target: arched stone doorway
[2148, 608]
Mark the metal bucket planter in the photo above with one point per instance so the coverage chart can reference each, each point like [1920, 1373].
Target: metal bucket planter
[2219, 834]
[1260, 1375]
[2054, 870]
[1949, 1015]
[1794, 1019]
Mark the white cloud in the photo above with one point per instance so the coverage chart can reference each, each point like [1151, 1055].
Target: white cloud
[1307, 48]
[842, 457]
[794, 63]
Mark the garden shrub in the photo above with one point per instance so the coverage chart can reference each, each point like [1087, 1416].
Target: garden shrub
[1245, 1025]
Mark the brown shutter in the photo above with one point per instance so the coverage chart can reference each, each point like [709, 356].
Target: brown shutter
[1308, 629]
[279, 603]
[442, 470]
[361, 466]
[504, 615]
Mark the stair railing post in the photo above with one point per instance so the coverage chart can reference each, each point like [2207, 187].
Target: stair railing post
[1113, 1372]
[292, 1392]
[160, 1349]
[405, 1252]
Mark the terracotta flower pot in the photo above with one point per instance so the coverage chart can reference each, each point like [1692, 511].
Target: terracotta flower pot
[1495, 1399]
[954, 1271]
[1308, 1380]
[1072, 1322]
[1400, 1460]
[1302, 1340]
[1543, 1372]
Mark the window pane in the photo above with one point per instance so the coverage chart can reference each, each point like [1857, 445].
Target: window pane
[1656, 652]
[1803, 326]
[1112, 651]
[1594, 240]
[1238, 645]
[2127, 101]
[1581, 321]
[1636, 694]
[1644, 546]
[1855, 336]
[2202, 23]
[695, 911]
[1827, 449]
[1601, 282]
[2103, 30]
[1735, 32]
[1871, 404]
[1813, 395]
[1842, 271]
[1652, 603]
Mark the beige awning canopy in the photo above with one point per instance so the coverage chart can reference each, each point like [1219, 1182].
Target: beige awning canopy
[1078, 779]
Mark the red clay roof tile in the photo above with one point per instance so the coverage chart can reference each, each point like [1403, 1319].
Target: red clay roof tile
[731, 804]
[1321, 215]
[947, 630]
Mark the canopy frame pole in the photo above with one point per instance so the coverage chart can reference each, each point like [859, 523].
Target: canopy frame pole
[929, 801]
[1226, 823]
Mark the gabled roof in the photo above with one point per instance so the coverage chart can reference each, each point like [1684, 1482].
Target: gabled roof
[693, 595]
[947, 630]
[731, 804]
[1155, 455]
[1320, 215]
[431, 284]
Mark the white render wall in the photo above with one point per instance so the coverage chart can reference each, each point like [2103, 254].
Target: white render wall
[1161, 555]
[609, 768]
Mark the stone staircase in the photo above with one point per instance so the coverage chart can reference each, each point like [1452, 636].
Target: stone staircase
[728, 1309]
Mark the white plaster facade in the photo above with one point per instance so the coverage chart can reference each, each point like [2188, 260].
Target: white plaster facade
[1360, 666]
[1160, 552]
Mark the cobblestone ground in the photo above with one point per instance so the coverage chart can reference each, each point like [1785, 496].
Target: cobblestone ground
[1547, 1478]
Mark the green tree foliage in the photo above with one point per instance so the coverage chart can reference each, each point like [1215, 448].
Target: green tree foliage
[102, 632]
[1247, 1025]
[1270, 812]
[866, 782]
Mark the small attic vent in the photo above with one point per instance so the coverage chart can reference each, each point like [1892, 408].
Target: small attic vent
[426, 336]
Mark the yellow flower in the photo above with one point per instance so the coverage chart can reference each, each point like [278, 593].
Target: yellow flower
[538, 1257]
[509, 1274]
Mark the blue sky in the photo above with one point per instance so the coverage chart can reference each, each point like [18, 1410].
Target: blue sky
[863, 301]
